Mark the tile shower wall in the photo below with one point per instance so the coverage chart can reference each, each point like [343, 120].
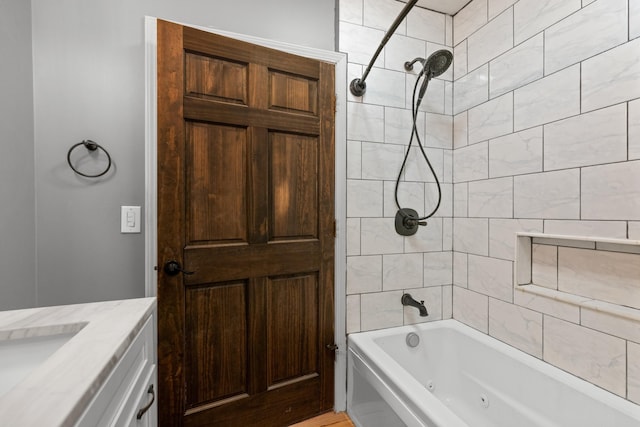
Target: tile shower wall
[381, 264]
[546, 109]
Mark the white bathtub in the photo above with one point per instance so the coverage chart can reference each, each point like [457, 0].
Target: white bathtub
[459, 377]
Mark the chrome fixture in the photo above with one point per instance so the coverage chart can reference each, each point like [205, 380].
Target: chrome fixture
[407, 299]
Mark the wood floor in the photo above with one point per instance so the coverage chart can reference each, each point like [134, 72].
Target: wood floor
[330, 419]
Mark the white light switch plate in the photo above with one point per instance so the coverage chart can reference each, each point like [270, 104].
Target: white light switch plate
[130, 219]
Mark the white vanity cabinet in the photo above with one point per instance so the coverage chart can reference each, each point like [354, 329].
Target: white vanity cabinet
[128, 395]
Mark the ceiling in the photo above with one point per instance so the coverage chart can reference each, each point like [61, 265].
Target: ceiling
[450, 7]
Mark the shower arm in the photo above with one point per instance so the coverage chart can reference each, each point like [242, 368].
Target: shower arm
[358, 86]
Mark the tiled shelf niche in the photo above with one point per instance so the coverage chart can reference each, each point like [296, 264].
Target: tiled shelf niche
[567, 275]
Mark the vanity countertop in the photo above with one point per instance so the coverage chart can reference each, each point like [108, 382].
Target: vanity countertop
[57, 391]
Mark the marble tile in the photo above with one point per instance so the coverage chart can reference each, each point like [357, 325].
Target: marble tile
[401, 49]
[380, 14]
[364, 274]
[547, 304]
[447, 302]
[351, 11]
[468, 20]
[448, 25]
[402, 271]
[353, 236]
[517, 153]
[354, 159]
[586, 2]
[381, 161]
[607, 276]
[544, 266]
[517, 326]
[427, 25]
[410, 195]
[434, 99]
[496, 7]
[432, 298]
[461, 200]
[353, 313]
[471, 308]
[634, 128]
[385, 87]
[633, 374]
[460, 130]
[438, 268]
[588, 32]
[491, 40]
[471, 235]
[634, 19]
[448, 98]
[491, 198]
[491, 119]
[609, 229]
[427, 239]
[532, 16]
[354, 71]
[552, 98]
[502, 235]
[616, 320]
[460, 269]
[591, 355]
[448, 166]
[634, 230]
[398, 124]
[381, 310]
[439, 131]
[491, 276]
[365, 122]
[379, 237]
[447, 234]
[417, 169]
[460, 68]
[360, 43]
[607, 192]
[521, 65]
[611, 77]
[549, 195]
[589, 139]
[364, 198]
[431, 200]
[471, 90]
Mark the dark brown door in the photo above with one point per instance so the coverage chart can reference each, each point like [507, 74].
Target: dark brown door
[246, 203]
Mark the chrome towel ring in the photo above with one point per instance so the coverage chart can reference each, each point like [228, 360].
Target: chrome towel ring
[91, 146]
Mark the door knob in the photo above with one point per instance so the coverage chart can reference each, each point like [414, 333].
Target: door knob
[172, 268]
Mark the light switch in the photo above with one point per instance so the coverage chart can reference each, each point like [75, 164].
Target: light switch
[130, 219]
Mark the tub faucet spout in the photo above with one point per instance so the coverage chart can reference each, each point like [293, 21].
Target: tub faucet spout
[407, 299]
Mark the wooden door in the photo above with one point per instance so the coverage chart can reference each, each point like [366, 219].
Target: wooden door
[246, 203]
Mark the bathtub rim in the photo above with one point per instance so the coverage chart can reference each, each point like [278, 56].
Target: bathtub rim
[364, 342]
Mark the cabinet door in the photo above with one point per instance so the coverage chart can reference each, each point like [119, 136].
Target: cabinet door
[146, 402]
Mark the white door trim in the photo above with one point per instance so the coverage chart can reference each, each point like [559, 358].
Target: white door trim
[150, 225]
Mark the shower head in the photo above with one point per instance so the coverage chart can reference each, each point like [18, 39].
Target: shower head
[437, 63]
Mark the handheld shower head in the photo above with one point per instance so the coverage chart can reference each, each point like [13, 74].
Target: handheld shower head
[436, 64]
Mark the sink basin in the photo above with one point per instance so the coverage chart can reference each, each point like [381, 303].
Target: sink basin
[20, 356]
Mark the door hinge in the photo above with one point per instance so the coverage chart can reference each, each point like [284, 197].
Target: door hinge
[332, 347]
[335, 228]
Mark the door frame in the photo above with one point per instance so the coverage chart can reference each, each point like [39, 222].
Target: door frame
[150, 224]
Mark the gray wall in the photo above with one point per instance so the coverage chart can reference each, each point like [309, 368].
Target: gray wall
[88, 80]
[17, 193]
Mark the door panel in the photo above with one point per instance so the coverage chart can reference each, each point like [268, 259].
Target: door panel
[216, 183]
[245, 203]
[294, 186]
